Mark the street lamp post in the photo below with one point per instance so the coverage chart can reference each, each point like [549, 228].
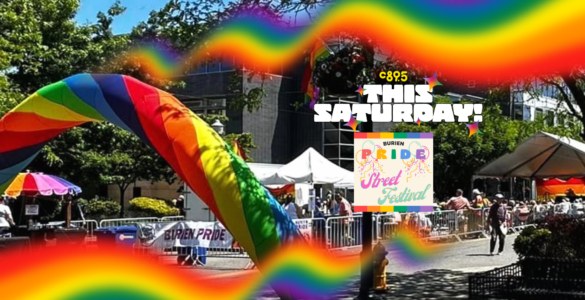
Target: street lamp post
[218, 127]
[366, 276]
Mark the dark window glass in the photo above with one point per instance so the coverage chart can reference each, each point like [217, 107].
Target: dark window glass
[227, 64]
[332, 151]
[347, 164]
[347, 137]
[331, 125]
[216, 102]
[347, 152]
[215, 112]
[213, 66]
[202, 68]
[331, 137]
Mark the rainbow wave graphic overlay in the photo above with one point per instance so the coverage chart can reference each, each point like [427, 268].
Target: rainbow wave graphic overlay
[65, 273]
[482, 39]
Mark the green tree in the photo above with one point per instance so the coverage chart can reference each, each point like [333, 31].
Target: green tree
[457, 156]
[122, 161]
[568, 88]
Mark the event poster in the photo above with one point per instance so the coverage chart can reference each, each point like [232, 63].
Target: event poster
[393, 172]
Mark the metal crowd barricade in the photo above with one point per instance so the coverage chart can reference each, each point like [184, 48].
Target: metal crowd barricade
[185, 250]
[346, 232]
[314, 230]
[388, 225]
[475, 219]
[172, 219]
[89, 225]
[127, 221]
[445, 224]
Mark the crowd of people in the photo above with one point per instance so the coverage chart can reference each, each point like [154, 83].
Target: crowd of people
[333, 205]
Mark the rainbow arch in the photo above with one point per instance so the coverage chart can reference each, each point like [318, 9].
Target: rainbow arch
[190, 146]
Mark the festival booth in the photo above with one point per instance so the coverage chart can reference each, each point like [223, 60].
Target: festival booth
[30, 191]
[554, 187]
[305, 171]
[541, 156]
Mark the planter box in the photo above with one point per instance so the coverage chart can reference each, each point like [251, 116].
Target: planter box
[532, 278]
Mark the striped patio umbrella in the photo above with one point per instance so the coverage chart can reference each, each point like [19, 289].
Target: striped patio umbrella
[32, 184]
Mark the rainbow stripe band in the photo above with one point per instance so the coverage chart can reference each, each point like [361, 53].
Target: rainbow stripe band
[393, 209]
[191, 147]
[393, 135]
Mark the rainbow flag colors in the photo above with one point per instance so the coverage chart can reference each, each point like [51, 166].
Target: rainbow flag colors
[118, 273]
[190, 146]
[461, 39]
[239, 150]
[31, 184]
[319, 51]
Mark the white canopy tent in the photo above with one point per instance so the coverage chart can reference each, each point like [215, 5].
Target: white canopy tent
[543, 155]
[310, 167]
[263, 170]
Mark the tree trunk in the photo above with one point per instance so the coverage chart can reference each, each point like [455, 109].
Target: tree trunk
[122, 192]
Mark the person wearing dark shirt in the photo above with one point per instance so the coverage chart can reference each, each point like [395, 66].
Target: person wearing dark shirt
[497, 220]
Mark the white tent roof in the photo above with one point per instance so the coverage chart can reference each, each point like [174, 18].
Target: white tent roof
[310, 167]
[542, 155]
[263, 170]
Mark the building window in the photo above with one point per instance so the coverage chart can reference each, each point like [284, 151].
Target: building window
[332, 151]
[207, 106]
[346, 137]
[213, 66]
[346, 152]
[346, 164]
[331, 137]
[332, 125]
[227, 64]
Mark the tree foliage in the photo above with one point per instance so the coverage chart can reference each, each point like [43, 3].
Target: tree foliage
[40, 43]
[457, 156]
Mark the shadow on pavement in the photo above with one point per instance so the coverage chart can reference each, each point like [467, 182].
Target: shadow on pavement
[429, 284]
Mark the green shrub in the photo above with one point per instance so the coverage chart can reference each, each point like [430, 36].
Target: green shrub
[99, 208]
[558, 236]
[533, 242]
[147, 207]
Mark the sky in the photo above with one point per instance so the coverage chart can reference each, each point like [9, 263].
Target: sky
[136, 11]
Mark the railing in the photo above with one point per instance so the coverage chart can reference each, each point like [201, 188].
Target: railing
[346, 232]
[89, 225]
[127, 221]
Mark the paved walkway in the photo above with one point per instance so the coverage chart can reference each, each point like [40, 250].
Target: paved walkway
[445, 277]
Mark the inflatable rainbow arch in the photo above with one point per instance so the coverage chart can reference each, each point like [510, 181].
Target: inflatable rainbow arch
[191, 147]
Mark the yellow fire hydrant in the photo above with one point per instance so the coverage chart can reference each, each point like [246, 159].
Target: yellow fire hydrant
[380, 263]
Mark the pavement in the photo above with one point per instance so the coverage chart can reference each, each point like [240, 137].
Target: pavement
[443, 277]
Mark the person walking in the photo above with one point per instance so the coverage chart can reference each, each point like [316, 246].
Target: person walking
[497, 222]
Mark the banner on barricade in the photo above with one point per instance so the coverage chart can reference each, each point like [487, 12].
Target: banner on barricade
[305, 227]
[187, 234]
[393, 172]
